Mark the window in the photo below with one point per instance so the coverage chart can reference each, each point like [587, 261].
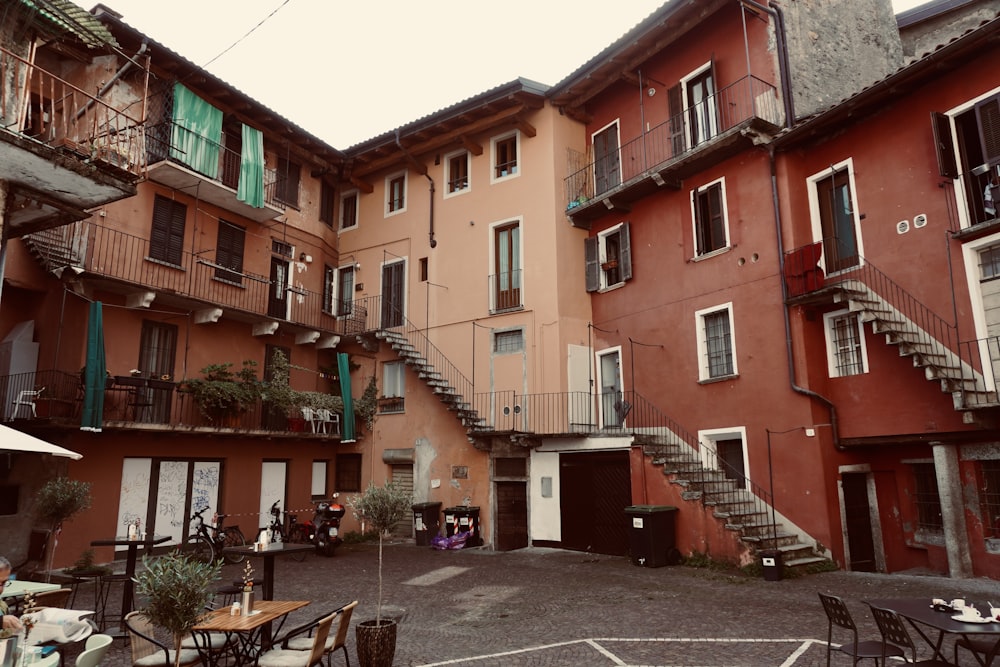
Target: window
[395, 193]
[989, 485]
[835, 220]
[457, 172]
[286, 189]
[607, 159]
[725, 450]
[157, 350]
[326, 203]
[423, 269]
[715, 343]
[348, 472]
[349, 210]
[702, 118]
[506, 280]
[329, 289]
[505, 152]
[989, 263]
[229, 253]
[708, 204]
[926, 499]
[318, 487]
[608, 258]
[166, 236]
[345, 290]
[393, 374]
[845, 344]
[507, 342]
[968, 149]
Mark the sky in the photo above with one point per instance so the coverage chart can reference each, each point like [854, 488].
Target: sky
[347, 71]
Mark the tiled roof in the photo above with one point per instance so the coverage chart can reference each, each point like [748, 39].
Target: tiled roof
[70, 17]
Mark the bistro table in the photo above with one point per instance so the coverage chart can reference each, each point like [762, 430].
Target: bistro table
[133, 552]
[268, 554]
[245, 635]
[921, 614]
[18, 588]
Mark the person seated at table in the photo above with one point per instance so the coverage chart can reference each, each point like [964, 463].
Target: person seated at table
[9, 622]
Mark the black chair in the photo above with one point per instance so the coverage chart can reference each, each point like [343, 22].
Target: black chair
[872, 649]
[987, 648]
[894, 634]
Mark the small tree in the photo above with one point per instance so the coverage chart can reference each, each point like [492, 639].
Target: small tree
[381, 507]
[57, 501]
[178, 589]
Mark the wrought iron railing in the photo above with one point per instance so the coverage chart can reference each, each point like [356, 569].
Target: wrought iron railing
[505, 291]
[593, 175]
[36, 103]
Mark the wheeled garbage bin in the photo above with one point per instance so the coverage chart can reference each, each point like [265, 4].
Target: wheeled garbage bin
[770, 562]
[651, 534]
[426, 522]
[462, 519]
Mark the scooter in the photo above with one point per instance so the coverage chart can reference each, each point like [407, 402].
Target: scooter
[326, 526]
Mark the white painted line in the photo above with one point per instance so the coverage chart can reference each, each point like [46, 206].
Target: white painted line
[600, 649]
[437, 576]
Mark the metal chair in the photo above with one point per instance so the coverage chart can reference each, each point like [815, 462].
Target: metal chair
[147, 651]
[987, 648]
[286, 657]
[894, 634]
[26, 398]
[337, 640]
[872, 649]
[95, 649]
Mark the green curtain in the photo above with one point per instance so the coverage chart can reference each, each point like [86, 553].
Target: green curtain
[94, 372]
[196, 132]
[251, 187]
[344, 370]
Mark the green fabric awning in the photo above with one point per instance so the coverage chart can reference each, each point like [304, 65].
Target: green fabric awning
[344, 371]
[196, 132]
[95, 372]
[251, 187]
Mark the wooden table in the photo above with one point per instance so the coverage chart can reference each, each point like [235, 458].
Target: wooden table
[128, 585]
[268, 554]
[921, 614]
[247, 636]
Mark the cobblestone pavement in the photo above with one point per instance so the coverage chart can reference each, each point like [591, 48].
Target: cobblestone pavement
[478, 608]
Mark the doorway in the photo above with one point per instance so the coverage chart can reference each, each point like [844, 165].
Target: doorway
[860, 543]
[393, 290]
[614, 407]
[512, 515]
[594, 490]
[277, 298]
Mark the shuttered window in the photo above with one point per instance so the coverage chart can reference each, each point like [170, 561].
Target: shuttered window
[287, 187]
[229, 253]
[166, 237]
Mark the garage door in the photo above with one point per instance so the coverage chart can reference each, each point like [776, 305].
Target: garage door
[595, 489]
[402, 476]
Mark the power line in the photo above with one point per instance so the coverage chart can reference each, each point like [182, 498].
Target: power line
[251, 31]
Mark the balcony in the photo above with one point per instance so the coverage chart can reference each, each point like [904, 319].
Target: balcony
[167, 167]
[505, 291]
[140, 404]
[733, 119]
[62, 149]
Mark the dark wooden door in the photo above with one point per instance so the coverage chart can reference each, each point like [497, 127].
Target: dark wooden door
[595, 488]
[857, 504]
[392, 294]
[512, 515]
[277, 301]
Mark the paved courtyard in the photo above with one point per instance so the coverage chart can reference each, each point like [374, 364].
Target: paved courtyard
[477, 608]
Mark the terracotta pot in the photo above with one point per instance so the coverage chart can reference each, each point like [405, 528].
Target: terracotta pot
[376, 642]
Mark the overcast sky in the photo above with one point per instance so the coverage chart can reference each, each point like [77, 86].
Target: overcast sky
[347, 71]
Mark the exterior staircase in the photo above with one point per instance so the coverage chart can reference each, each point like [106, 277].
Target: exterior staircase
[59, 248]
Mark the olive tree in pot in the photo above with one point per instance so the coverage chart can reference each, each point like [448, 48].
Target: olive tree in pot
[57, 501]
[177, 590]
[380, 507]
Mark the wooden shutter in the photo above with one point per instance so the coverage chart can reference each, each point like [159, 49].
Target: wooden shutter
[947, 164]
[988, 117]
[676, 120]
[229, 252]
[166, 236]
[592, 262]
[625, 261]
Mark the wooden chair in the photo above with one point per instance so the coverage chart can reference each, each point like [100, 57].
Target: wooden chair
[337, 640]
[95, 649]
[872, 649]
[285, 657]
[57, 598]
[987, 648]
[894, 634]
[147, 651]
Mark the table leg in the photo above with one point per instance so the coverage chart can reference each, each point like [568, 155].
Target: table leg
[128, 585]
[268, 577]
[935, 645]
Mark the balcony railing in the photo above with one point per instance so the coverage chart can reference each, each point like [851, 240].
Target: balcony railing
[505, 291]
[592, 176]
[40, 105]
[134, 403]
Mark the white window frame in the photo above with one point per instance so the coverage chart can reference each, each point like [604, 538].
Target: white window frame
[831, 352]
[338, 296]
[618, 140]
[493, 156]
[394, 379]
[498, 333]
[699, 316]
[447, 173]
[602, 257]
[357, 210]
[494, 269]
[962, 195]
[725, 219]
[388, 192]
[817, 225]
[710, 459]
[319, 478]
[686, 105]
[970, 256]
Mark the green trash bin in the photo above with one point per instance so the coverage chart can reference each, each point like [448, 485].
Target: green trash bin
[651, 534]
[426, 522]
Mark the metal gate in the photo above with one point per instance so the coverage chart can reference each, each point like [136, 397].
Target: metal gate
[595, 489]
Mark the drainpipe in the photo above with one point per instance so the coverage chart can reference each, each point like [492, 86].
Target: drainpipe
[433, 242]
[783, 66]
[784, 300]
[119, 74]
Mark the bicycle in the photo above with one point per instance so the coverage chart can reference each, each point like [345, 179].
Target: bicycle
[207, 540]
[295, 534]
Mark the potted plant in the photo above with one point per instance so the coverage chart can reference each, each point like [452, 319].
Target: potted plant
[57, 501]
[221, 393]
[85, 566]
[177, 590]
[285, 401]
[380, 507]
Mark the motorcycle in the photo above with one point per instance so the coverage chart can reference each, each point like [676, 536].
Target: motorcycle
[326, 526]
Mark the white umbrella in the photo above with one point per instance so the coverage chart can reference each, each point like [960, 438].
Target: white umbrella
[16, 441]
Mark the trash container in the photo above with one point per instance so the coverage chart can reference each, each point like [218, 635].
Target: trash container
[651, 534]
[770, 562]
[426, 522]
[462, 519]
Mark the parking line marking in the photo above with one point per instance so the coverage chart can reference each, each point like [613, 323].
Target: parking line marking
[437, 576]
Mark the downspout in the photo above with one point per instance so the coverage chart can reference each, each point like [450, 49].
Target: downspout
[834, 429]
[119, 74]
[433, 242]
[783, 66]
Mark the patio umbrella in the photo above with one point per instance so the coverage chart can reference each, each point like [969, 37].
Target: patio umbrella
[95, 371]
[344, 370]
[15, 441]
